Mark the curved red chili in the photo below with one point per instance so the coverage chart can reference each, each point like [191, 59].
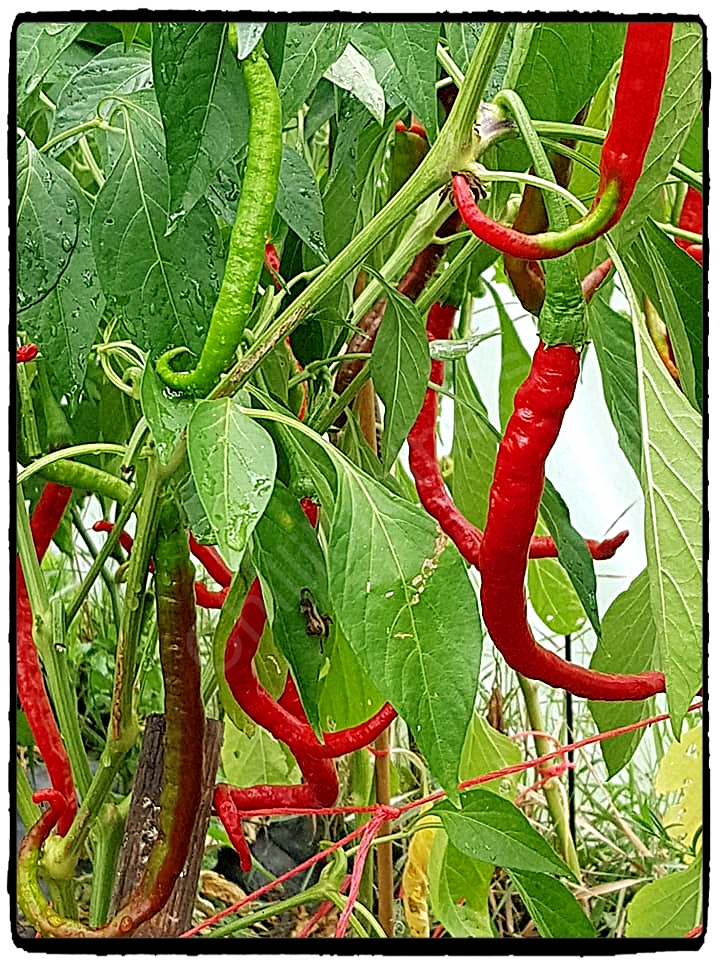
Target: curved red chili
[540, 406]
[27, 352]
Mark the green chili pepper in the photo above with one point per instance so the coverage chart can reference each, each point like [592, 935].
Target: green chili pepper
[247, 242]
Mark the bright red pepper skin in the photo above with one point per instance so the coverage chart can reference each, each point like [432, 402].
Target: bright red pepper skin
[30, 684]
[540, 406]
[646, 57]
[27, 352]
[429, 481]
[691, 218]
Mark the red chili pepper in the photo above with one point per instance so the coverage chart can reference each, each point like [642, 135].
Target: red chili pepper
[646, 56]
[30, 684]
[540, 406]
[429, 481]
[212, 561]
[27, 352]
[691, 218]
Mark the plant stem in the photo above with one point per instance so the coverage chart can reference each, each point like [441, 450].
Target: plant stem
[554, 792]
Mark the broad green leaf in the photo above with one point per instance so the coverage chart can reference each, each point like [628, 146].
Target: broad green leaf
[673, 484]
[668, 907]
[462, 39]
[203, 104]
[348, 696]
[459, 887]
[166, 417]
[368, 39]
[353, 72]
[612, 334]
[628, 645]
[90, 91]
[474, 449]
[573, 552]
[554, 909]
[400, 369]
[304, 467]
[64, 323]
[556, 67]
[553, 597]
[406, 606]
[129, 31]
[692, 151]
[412, 46]
[257, 758]
[514, 361]
[486, 750]
[299, 202]
[682, 98]
[38, 46]
[48, 223]
[310, 48]
[233, 463]
[674, 283]
[493, 830]
[290, 560]
[164, 287]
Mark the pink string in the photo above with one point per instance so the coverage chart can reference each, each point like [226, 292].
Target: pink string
[322, 911]
[381, 814]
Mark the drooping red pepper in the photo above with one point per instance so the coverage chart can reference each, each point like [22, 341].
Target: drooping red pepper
[646, 56]
[429, 481]
[30, 684]
[540, 406]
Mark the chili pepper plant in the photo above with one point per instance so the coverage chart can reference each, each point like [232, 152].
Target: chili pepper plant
[307, 313]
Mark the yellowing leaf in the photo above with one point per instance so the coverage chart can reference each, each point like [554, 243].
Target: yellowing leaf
[415, 879]
[680, 770]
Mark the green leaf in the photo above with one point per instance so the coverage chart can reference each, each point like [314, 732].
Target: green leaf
[400, 368]
[556, 67]
[166, 417]
[203, 104]
[233, 462]
[462, 39]
[668, 907]
[612, 334]
[38, 45]
[493, 830]
[514, 362]
[673, 486]
[554, 909]
[682, 98]
[310, 48]
[48, 223]
[289, 560]
[459, 888]
[353, 72]
[299, 202]
[348, 695]
[413, 47]
[553, 596]
[164, 287]
[90, 91]
[474, 449]
[64, 324]
[692, 151]
[406, 606]
[486, 750]
[628, 645]
[573, 552]
[248, 760]
[675, 284]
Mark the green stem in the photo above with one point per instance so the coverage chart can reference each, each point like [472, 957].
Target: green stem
[110, 584]
[432, 293]
[106, 840]
[452, 150]
[97, 123]
[98, 564]
[317, 892]
[28, 810]
[347, 396]
[554, 792]
[28, 423]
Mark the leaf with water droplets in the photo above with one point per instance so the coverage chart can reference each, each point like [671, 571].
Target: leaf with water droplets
[233, 463]
[48, 220]
[299, 202]
[39, 45]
